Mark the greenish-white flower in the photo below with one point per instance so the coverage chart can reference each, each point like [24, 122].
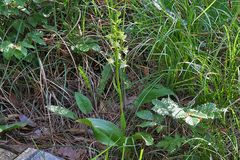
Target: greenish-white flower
[125, 50]
[123, 64]
[110, 60]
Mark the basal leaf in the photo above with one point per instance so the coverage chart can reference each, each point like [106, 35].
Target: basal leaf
[62, 111]
[110, 132]
[103, 137]
[83, 103]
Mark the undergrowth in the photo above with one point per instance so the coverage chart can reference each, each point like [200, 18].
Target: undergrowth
[140, 79]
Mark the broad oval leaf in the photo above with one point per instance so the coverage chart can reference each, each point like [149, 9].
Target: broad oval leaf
[145, 114]
[103, 138]
[150, 93]
[83, 103]
[144, 136]
[62, 111]
[105, 132]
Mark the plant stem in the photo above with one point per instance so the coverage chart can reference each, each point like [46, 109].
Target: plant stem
[119, 90]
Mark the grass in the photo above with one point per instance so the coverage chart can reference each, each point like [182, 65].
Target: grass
[191, 47]
[183, 53]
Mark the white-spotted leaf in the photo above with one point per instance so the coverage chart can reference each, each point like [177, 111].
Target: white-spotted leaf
[62, 111]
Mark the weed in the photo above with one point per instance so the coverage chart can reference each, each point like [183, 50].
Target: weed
[75, 57]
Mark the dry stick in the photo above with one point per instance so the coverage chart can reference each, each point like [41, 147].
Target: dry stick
[74, 63]
[43, 82]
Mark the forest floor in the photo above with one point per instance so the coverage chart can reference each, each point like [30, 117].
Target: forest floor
[139, 79]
